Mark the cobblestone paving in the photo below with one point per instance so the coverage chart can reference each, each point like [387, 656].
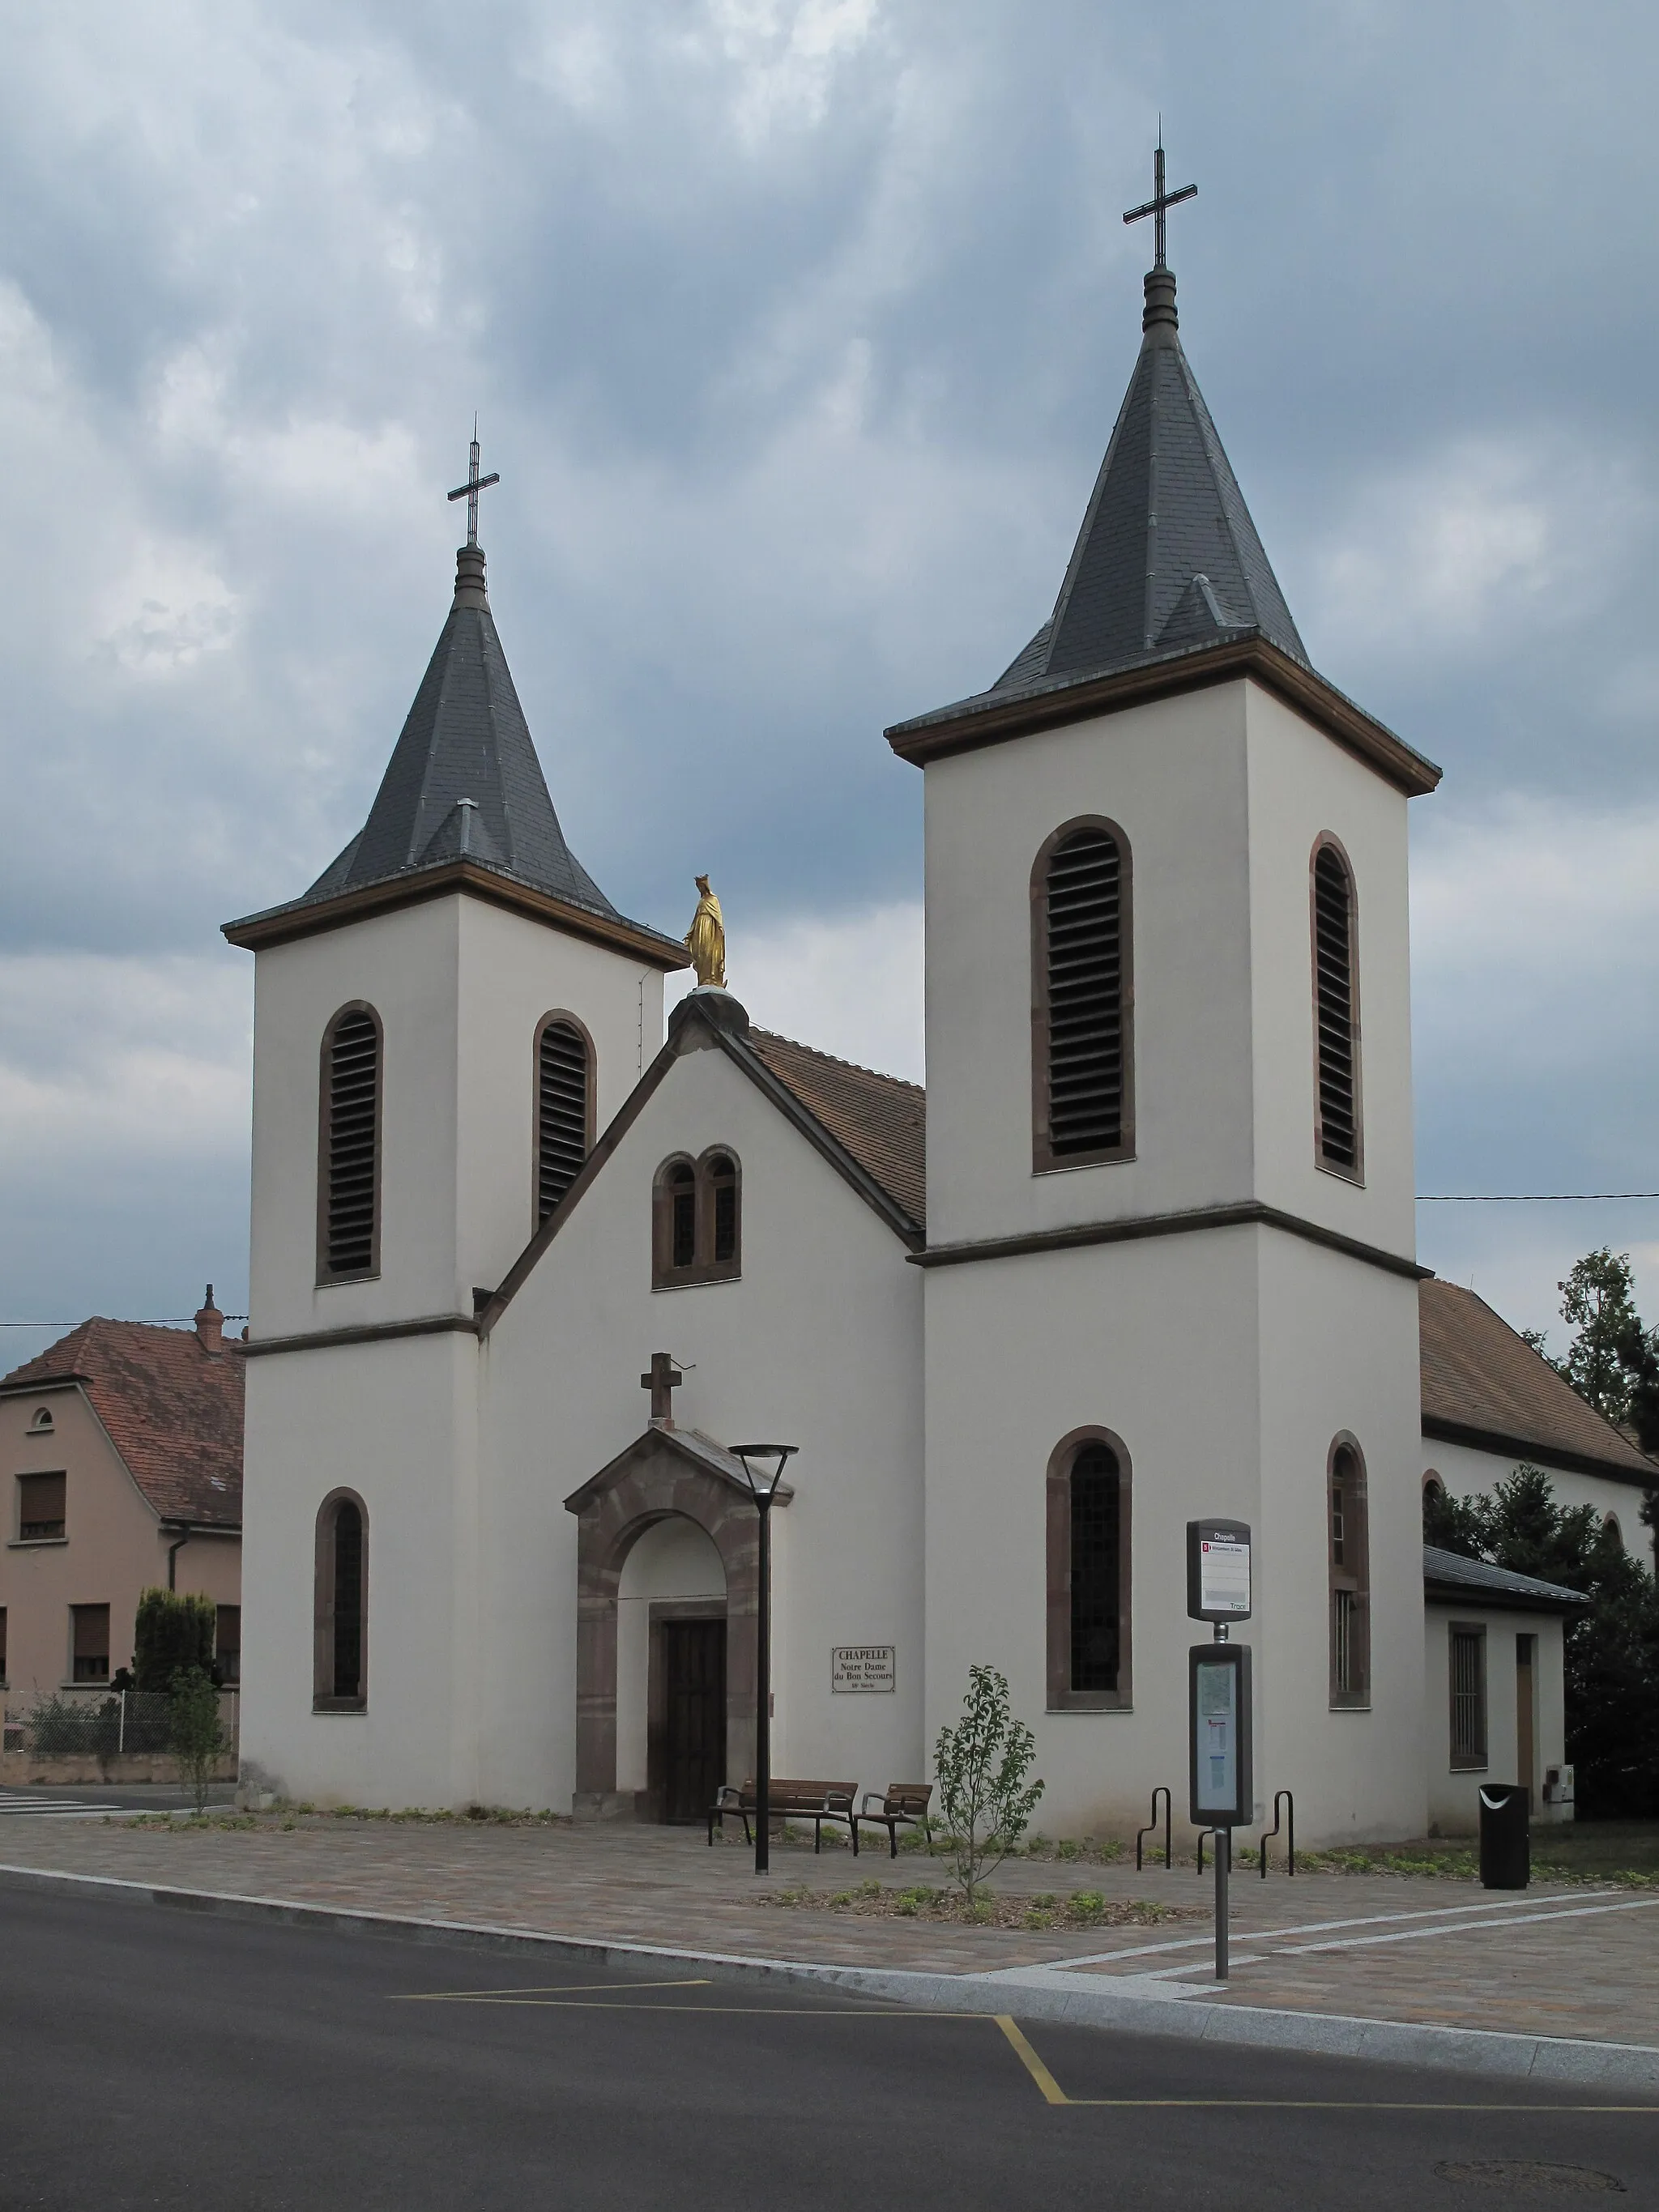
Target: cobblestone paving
[1580, 1972]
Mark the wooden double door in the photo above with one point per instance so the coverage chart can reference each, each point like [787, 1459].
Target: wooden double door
[688, 1739]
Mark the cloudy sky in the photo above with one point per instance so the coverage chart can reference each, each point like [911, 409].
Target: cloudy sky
[796, 329]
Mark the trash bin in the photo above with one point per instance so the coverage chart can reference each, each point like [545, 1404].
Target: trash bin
[1505, 1835]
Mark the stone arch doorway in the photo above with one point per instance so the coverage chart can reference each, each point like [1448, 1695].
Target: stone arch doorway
[670, 1671]
[664, 1474]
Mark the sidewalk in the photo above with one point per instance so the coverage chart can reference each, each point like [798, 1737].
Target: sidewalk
[1579, 1962]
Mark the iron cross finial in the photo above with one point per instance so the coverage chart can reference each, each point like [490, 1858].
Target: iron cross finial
[474, 483]
[1160, 202]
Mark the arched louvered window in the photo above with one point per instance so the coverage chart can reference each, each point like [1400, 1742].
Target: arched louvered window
[1082, 998]
[1088, 1547]
[349, 1178]
[697, 1234]
[564, 1107]
[1349, 1572]
[341, 1622]
[1337, 1136]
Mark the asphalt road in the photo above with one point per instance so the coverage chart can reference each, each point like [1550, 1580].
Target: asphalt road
[155, 2056]
[86, 1800]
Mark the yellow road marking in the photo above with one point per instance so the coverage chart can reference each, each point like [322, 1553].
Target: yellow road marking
[1050, 2090]
[548, 1989]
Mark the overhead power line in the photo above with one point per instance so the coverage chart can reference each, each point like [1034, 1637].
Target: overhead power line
[1525, 1197]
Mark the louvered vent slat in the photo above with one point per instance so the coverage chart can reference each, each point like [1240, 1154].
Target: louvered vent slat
[560, 1113]
[1339, 1120]
[1084, 951]
[354, 1086]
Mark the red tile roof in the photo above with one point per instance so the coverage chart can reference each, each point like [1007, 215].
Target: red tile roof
[881, 1121]
[173, 1410]
[1482, 1382]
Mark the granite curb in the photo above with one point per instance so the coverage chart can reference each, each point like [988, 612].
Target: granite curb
[1036, 1994]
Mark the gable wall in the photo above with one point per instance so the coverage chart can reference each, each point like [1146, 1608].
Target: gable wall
[818, 1344]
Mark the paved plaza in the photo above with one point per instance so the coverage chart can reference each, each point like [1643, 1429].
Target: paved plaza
[1577, 1961]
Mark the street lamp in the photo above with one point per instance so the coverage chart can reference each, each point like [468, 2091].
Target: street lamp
[763, 1492]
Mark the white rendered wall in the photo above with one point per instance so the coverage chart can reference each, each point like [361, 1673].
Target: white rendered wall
[818, 1344]
[1227, 1361]
[394, 1422]
[1172, 775]
[1467, 1473]
[460, 985]
[673, 1560]
[1453, 1805]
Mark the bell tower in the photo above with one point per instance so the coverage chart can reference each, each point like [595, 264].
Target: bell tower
[443, 1024]
[1169, 1172]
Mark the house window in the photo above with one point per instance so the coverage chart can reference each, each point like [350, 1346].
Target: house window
[89, 1634]
[1088, 1579]
[1082, 999]
[41, 1508]
[349, 1148]
[341, 1675]
[1610, 1528]
[1337, 1143]
[42, 1424]
[2, 1647]
[1467, 1665]
[564, 1107]
[227, 1644]
[1348, 1549]
[697, 1221]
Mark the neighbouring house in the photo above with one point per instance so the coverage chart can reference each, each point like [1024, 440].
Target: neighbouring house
[123, 1463]
[1494, 1653]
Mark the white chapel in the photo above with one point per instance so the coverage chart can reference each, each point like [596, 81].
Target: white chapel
[1144, 1252]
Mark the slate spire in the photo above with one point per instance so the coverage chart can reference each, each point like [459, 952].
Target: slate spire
[1168, 559]
[464, 781]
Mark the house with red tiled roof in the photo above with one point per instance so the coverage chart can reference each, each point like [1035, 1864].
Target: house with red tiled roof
[121, 1454]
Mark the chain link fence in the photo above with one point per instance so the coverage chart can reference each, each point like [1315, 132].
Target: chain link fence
[104, 1724]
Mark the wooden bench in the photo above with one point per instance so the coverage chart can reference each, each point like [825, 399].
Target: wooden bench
[905, 1801]
[816, 1801]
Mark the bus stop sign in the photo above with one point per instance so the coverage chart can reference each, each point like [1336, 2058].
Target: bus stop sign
[1219, 1570]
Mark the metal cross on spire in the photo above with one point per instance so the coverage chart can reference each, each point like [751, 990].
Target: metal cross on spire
[474, 483]
[1160, 202]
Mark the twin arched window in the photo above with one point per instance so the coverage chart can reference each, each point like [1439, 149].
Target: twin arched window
[1337, 1135]
[1089, 1573]
[564, 1107]
[340, 1669]
[349, 1148]
[696, 1221]
[1082, 998]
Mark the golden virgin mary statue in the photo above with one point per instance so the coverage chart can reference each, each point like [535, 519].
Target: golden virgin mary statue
[706, 940]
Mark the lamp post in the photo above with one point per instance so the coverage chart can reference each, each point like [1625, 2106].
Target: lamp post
[763, 1492]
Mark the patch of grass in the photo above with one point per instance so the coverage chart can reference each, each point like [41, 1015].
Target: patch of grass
[1088, 1909]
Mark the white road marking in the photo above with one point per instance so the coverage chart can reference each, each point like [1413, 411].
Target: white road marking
[1310, 1928]
[1467, 1927]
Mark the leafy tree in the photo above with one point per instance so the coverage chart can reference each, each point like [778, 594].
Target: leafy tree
[171, 1633]
[981, 1765]
[1598, 1300]
[1611, 1645]
[196, 1734]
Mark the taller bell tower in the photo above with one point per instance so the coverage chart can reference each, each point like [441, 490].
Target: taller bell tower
[1170, 1174]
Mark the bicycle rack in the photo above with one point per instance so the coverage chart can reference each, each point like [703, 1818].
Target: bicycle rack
[1280, 1797]
[1150, 1829]
[1228, 1833]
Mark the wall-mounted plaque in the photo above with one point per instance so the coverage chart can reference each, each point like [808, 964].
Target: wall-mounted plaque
[855, 1667]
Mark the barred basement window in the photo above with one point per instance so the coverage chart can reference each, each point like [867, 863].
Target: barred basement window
[1088, 1547]
[340, 1619]
[349, 1194]
[1082, 1070]
[1337, 1139]
[564, 1107]
[1466, 1667]
[1349, 1576]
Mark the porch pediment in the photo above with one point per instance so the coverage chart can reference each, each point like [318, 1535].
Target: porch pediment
[669, 1453]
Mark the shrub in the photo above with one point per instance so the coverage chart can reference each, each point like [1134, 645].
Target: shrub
[171, 1635]
[197, 1737]
[980, 1766]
